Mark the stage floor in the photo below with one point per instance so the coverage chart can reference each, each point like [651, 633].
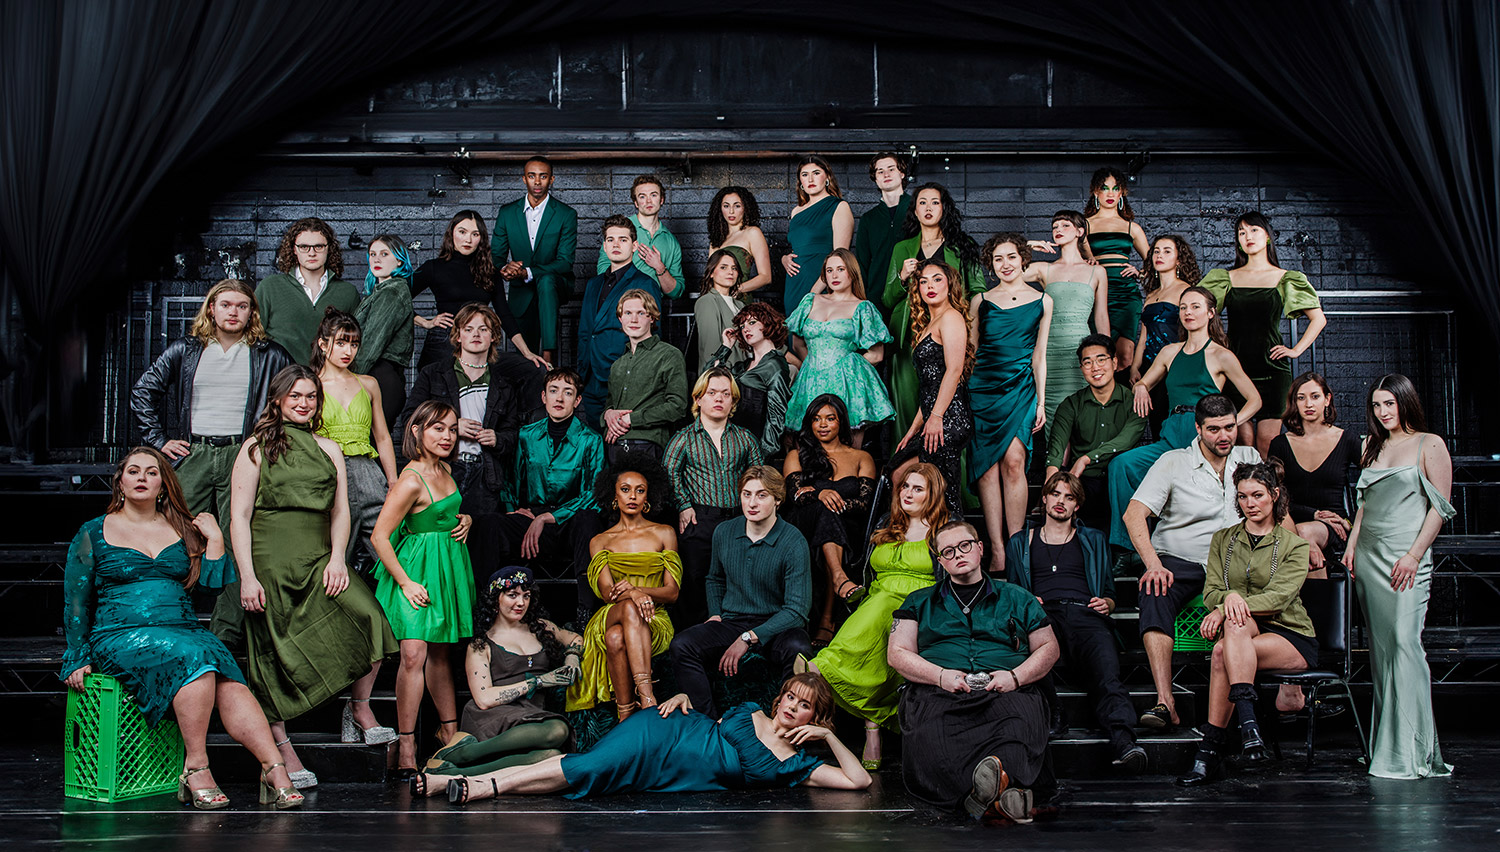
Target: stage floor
[1333, 806]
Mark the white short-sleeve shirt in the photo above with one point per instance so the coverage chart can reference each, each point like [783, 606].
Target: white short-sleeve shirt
[1191, 500]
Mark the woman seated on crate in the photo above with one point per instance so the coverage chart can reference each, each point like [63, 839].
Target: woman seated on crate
[1253, 591]
[127, 614]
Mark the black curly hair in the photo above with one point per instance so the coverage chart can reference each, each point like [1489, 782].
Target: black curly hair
[487, 609]
[951, 226]
[810, 454]
[658, 485]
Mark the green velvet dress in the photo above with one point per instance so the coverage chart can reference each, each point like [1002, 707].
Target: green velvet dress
[429, 555]
[1403, 741]
[854, 662]
[128, 616]
[1255, 315]
[306, 647]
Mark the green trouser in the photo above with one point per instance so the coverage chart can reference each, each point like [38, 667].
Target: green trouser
[537, 304]
[204, 474]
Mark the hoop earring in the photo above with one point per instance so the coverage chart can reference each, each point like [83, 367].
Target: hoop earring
[646, 508]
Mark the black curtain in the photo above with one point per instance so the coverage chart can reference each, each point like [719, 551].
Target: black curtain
[103, 100]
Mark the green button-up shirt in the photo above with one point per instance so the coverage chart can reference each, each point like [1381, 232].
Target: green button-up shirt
[556, 478]
[662, 241]
[1100, 432]
[706, 475]
[1276, 596]
[650, 383]
[768, 579]
[994, 636]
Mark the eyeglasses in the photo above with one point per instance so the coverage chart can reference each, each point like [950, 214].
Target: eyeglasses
[311, 249]
[962, 547]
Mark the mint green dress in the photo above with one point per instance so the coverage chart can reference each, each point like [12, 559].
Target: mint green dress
[834, 365]
[1072, 309]
[854, 663]
[306, 647]
[429, 555]
[1403, 740]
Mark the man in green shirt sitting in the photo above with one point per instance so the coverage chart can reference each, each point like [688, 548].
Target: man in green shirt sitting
[759, 592]
[1091, 427]
[307, 283]
[647, 385]
[973, 724]
[550, 513]
[657, 252]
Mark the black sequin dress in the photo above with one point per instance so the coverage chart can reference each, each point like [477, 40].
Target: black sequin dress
[958, 420]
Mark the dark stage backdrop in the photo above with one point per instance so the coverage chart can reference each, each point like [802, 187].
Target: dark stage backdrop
[103, 102]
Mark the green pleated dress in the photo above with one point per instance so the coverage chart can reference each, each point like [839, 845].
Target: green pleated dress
[306, 647]
[429, 555]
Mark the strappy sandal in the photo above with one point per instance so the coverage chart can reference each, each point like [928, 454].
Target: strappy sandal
[623, 711]
[282, 797]
[856, 594]
[404, 774]
[438, 734]
[458, 791]
[205, 798]
[643, 689]
[822, 637]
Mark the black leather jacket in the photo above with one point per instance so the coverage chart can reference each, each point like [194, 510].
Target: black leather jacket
[501, 413]
[170, 378]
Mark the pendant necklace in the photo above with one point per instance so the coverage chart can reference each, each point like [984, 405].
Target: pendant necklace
[1051, 553]
[965, 606]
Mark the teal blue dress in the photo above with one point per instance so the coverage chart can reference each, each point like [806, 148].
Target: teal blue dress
[128, 616]
[1002, 390]
[811, 235]
[834, 365]
[680, 753]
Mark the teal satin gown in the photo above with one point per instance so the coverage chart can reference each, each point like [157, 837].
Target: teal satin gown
[128, 616]
[1002, 390]
[649, 753]
[811, 236]
[1395, 500]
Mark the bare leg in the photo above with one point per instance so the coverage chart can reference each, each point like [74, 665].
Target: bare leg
[1159, 658]
[1265, 430]
[410, 681]
[638, 652]
[615, 660]
[284, 747]
[360, 691]
[872, 743]
[899, 474]
[1124, 353]
[1245, 435]
[858, 437]
[1219, 708]
[194, 705]
[994, 507]
[1013, 480]
[544, 777]
[439, 672]
[246, 722]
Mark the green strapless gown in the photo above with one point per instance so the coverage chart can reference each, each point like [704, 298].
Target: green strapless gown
[1002, 391]
[854, 662]
[306, 647]
[1404, 741]
[428, 554]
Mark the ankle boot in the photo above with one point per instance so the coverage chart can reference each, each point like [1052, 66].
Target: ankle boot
[1206, 766]
[1253, 750]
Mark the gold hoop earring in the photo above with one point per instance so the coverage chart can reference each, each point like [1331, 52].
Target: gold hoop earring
[646, 508]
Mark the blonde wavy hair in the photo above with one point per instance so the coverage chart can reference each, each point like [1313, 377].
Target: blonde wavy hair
[921, 317]
[203, 326]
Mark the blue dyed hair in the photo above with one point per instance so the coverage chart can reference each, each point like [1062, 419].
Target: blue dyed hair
[403, 257]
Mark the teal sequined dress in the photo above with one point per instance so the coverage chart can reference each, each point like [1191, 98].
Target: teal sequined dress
[128, 616]
[649, 753]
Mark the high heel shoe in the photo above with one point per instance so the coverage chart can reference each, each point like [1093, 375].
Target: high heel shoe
[643, 689]
[458, 791]
[282, 797]
[204, 799]
[373, 735]
[302, 779]
[623, 711]
[870, 765]
[404, 773]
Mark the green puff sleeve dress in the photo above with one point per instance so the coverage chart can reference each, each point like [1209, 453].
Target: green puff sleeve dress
[127, 615]
[1255, 315]
[1395, 500]
[836, 364]
[306, 647]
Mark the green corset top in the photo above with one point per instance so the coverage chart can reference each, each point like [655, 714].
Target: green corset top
[350, 426]
[440, 516]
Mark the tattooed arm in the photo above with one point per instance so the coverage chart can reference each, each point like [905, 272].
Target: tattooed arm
[486, 694]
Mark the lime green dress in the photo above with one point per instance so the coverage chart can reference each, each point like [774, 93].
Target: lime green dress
[306, 647]
[352, 428]
[429, 555]
[854, 662]
[646, 570]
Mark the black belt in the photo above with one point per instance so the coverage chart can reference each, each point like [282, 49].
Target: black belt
[1067, 601]
[216, 440]
[1184, 408]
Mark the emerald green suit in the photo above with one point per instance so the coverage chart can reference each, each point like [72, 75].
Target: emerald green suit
[536, 302]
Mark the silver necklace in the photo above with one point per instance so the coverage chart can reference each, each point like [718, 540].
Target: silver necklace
[970, 604]
[1052, 554]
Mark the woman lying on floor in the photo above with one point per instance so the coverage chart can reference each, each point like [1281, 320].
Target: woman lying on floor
[677, 750]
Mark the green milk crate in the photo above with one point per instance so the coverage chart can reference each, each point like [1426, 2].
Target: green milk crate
[110, 752]
[1185, 628]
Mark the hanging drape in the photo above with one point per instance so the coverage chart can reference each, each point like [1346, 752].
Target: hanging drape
[100, 101]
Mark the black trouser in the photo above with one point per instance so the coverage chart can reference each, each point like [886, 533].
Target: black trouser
[468, 475]
[563, 551]
[1087, 642]
[697, 650]
[631, 445]
[1095, 510]
[1159, 612]
[695, 545]
[392, 381]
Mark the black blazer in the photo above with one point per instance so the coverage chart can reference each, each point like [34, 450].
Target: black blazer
[501, 413]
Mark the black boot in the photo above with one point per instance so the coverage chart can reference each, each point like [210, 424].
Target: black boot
[1253, 748]
[1206, 766]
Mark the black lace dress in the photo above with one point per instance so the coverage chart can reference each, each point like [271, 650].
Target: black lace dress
[958, 421]
[821, 525]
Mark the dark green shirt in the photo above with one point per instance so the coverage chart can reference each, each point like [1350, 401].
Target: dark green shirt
[556, 478]
[767, 579]
[878, 232]
[650, 383]
[291, 318]
[1100, 432]
[702, 474]
[994, 636]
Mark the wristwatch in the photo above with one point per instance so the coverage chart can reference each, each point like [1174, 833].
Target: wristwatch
[747, 637]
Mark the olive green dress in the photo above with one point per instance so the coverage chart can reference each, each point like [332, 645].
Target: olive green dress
[306, 647]
[1395, 500]
[645, 570]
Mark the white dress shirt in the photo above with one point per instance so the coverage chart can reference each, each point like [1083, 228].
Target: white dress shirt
[534, 223]
[1191, 500]
[312, 293]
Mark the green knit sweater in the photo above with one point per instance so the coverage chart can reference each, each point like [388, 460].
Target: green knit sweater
[292, 320]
